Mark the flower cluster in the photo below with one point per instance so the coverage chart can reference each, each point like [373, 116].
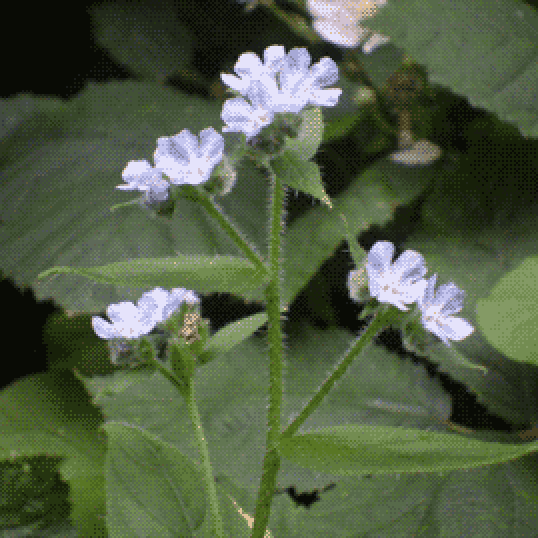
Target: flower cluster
[282, 83]
[402, 283]
[336, 21]
[183, 158]
[131, 321]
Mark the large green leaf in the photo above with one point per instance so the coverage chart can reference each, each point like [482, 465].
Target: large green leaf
[358, 450]
[476, 263]
[60, 163]
[203, 273]
[146, 38]
[485, 50]
[49, 414]
[152, 488]
[232, 396]
[371, 199]
[509, 316]
[493, 501]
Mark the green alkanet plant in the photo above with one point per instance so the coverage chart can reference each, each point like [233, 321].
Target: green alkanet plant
[276, 95]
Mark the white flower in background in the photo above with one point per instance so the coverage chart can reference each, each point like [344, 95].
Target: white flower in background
[141, 176]
[249, 118]
[185, 160]
[437, 309]
[336, 21]
[397, 283]
[131, 321]
[421, 152]
[249, 67]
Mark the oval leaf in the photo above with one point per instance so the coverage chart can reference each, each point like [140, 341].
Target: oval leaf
[234, 333]
[204, 274]
[509, 316]
[310, 135]
[301, 175]
[152, 489]
[359, 450]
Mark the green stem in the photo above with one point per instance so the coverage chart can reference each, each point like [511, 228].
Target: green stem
[271, 462]
[235, 235]
[297, 24]
[379, 321]
[188, 393]
[217, 529]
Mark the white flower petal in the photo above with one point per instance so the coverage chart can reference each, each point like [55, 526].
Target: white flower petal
[458, 328]
[410, 267]
[273, 57]
[380, 255]
[119, 312]
[241, 116]
[141, 176]
[185, 160]
[336, 33]
[325, 97]
[437, 309]
[103, 329]
[397, 284]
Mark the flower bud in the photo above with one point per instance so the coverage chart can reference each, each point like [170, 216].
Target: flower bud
[181, 359]
[222, 179]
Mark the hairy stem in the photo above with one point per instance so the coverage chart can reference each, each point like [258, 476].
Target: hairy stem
[271, 462]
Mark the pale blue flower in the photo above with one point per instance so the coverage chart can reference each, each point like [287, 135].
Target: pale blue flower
[141, 176]
[282, 83]
[397, 283]
[131, 321]
[302, 85]
[249, 68]
[437, 309]
[184, 159]
[175, 299]
[249, 118]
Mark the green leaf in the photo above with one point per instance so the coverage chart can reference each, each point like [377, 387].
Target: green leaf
[358, 254]
[359, 450]
[108, 385]
[236, 506]
[370, 199]
[69, 157]
[493, 501]
[51, 414]
[152, 488]
[301, 175]
[475, 263]
[234, 333]
[310, 135]
[153, 43]
[484, 50]
[33, 491]
[509, 316]
[201, 273]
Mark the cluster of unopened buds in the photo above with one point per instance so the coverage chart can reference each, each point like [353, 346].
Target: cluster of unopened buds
[402, 283]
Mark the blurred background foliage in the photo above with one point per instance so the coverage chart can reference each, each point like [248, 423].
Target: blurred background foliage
[486, 173]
